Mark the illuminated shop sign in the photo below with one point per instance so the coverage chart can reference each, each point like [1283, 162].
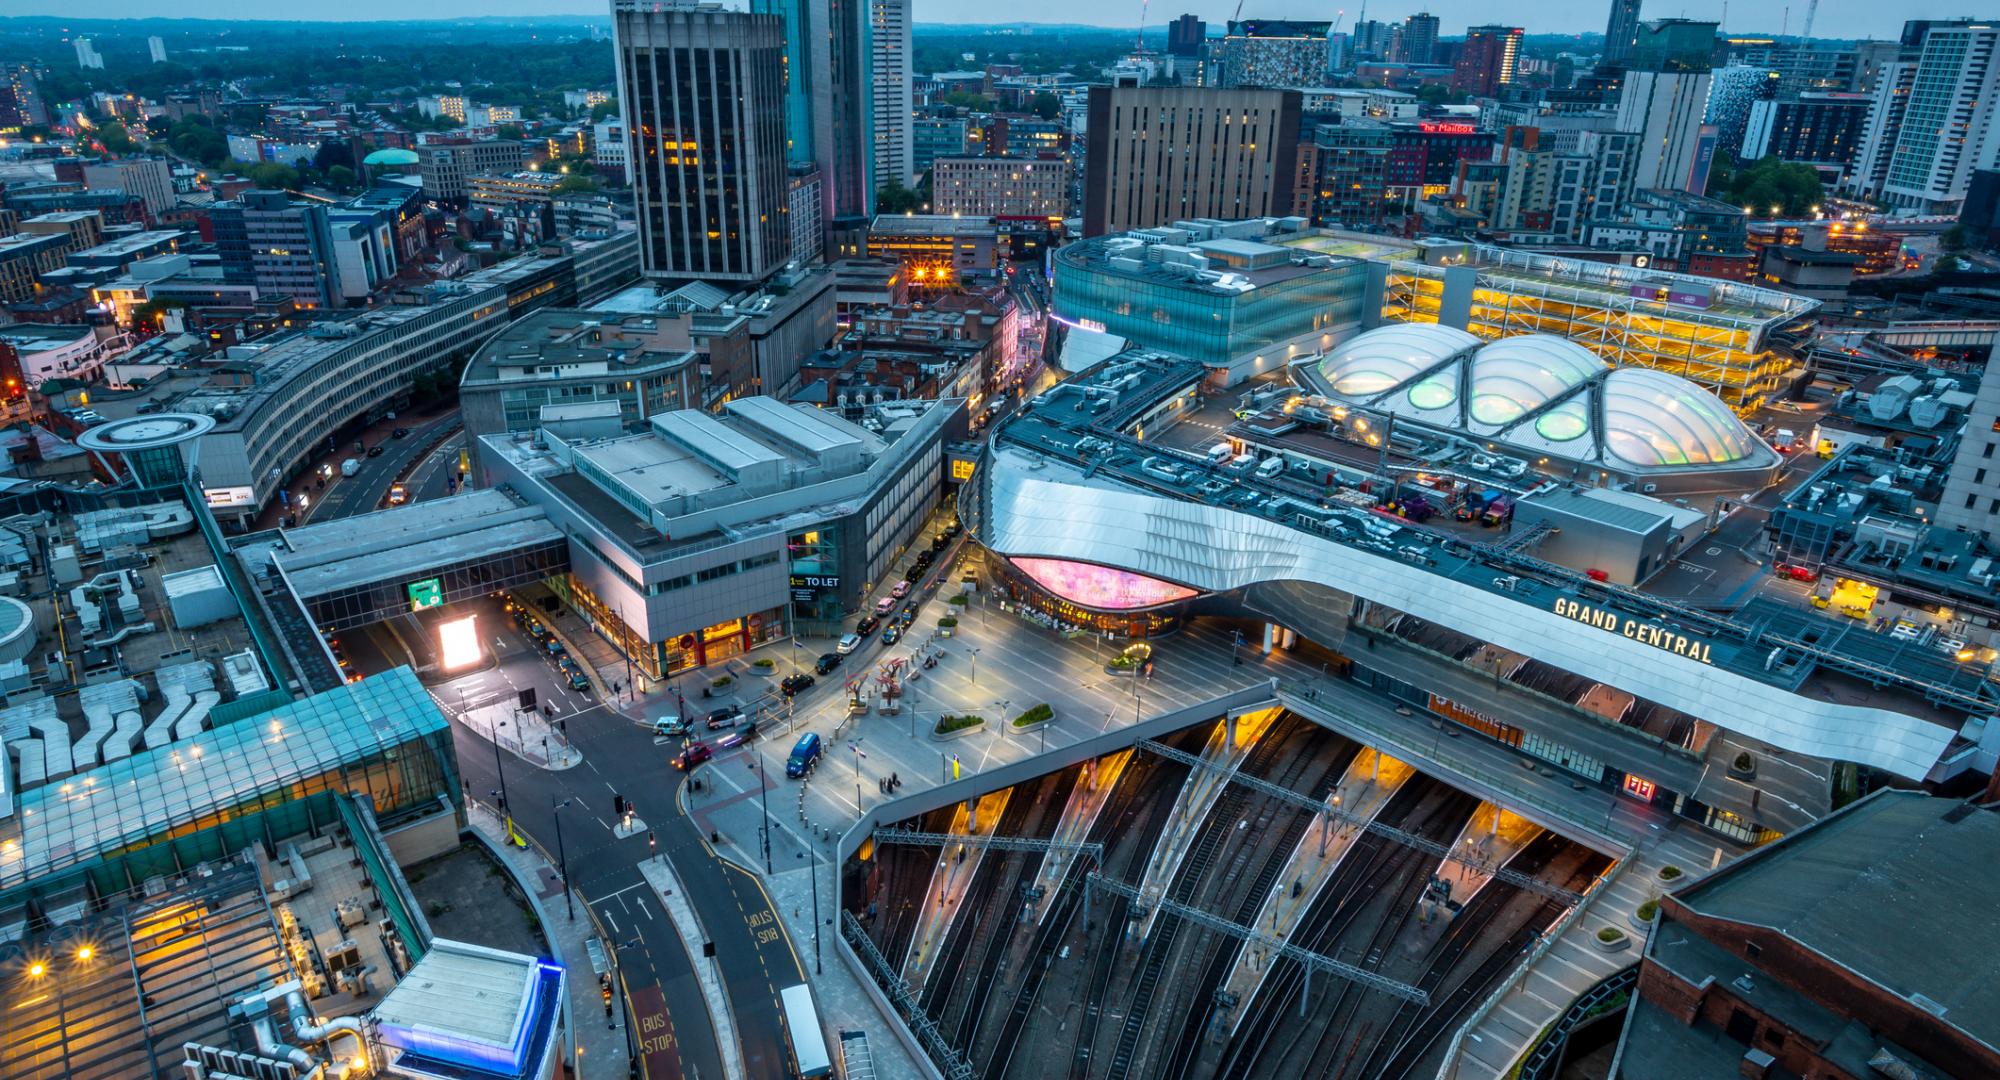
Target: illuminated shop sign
[1645, 633]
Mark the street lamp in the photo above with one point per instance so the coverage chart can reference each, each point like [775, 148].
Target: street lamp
[975, 665]
[498, 768]
[562, 855]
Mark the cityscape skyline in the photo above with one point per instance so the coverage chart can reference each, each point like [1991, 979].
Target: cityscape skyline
[1836, 19]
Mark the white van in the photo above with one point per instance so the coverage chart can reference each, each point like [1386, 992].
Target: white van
[1220, 453]
[1241, 464]
[1270, 468]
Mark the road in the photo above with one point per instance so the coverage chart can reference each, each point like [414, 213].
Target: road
[365, 490]
[621, 756]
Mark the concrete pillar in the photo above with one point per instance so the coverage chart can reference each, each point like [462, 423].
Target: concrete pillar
[1229, 728]
[972, 815]
[1291, 638]
[1270, 634]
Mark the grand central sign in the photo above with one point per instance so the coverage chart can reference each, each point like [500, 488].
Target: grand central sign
[1645, 633]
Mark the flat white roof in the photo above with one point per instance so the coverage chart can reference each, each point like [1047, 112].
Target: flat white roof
[718, 442]
[652, 469]
[801, 427]
[464, 991]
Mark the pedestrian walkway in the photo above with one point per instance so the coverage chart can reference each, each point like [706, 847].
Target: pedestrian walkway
[1227, 746]
[597, 1045]
[1370, 781]
[526, 733]
[957, 866]
[1086, 799]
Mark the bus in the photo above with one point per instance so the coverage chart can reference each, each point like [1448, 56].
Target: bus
[808, 1041]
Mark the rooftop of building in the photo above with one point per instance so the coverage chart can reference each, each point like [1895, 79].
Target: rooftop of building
[1895, 889]
[471, 1007]
[694, 477]
[929, 225]
[1223, 258]
[573, 343]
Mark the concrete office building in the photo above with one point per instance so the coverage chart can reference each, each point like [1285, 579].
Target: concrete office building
[1000, 187]
[891, 142]
[1931, 124]
[151, 179]
[1161, 154]
[544, 365]
[712, 535]
[157, 49]
[1186, 36]
[446, 167]
[709, 180]
[935, 137]
[277, 401]
[805, 198]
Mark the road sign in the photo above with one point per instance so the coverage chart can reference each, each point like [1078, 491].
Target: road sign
[428, 593]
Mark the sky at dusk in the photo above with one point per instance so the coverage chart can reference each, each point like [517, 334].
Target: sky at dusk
[1836, 18]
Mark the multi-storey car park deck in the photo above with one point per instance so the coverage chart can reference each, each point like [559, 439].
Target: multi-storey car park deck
[1074, 478]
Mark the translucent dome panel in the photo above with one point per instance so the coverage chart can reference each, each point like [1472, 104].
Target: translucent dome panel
[1101, 587]
[1390, 356]
[1517, 375]
[1655, 419]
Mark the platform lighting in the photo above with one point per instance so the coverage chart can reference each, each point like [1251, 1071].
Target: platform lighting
[458, 640]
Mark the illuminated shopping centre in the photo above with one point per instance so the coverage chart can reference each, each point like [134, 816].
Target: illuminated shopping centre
[1613, 637]
[1246, 297]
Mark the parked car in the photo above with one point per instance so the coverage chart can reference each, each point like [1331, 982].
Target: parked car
[793, 684]
[828, 661]
[867, 625]
[848, 643]
[805, 754]
[901, 590]
[725, 717]
[399, 433]
[696, 753]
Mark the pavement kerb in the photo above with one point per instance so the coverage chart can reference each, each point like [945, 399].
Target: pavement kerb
[476, 814]
[589, 670]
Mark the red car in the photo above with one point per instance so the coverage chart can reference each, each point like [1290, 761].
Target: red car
[695, 754]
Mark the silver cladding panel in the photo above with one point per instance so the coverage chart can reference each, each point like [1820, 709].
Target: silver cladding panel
[1052, 510]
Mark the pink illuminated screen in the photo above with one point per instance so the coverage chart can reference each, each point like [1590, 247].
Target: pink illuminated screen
[1101, 587]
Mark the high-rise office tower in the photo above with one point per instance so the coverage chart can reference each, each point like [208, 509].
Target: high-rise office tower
[827, 92]
[1420, 38]
[283, 246]
[1971, 499]
[1274, 52]
[1665, 100]
[704, 96]
[889, 90]
[1161, 154]
[1186, 36]
[1486, 63]
[1931, 124]
[1621, 33]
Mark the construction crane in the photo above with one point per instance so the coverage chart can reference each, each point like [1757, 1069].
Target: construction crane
[1812, 9]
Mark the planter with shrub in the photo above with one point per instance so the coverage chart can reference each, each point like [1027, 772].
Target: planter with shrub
[1612, 939]
[947, 626]
[1743, 766]
[1646, 913]
[763, 666]
[958, 600]
[956, 726]
[1670, 873]
[1040, 714]
[1122, 665]
[720, 684]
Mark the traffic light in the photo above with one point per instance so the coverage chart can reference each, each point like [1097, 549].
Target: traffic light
[617, 806]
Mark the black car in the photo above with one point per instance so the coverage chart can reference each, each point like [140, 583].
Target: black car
[399, 433]
[828, 661]
[724, 717]
[795, 683]
[867, 625]
[375, 451]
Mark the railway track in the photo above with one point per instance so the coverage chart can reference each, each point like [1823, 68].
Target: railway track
[1221, 955]
[1124, 817]
[1229, 802]
[1000, 931]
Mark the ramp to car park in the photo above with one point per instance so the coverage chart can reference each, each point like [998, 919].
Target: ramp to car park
[364, 569]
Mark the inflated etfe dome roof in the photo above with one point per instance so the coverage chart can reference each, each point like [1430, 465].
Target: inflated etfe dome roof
[1655, 419]
[1539, 393]
[1515, 376]
[1390, 356]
